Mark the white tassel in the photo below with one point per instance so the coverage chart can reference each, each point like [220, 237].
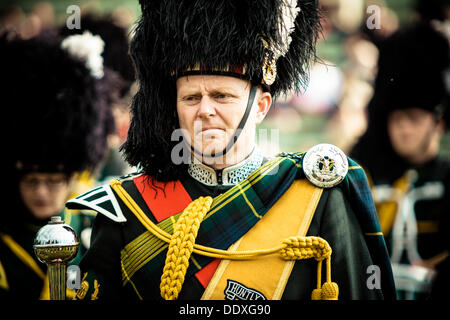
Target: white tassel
[88, 48]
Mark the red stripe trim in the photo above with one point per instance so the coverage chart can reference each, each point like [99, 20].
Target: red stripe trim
[237, 69]
[205, 274]
[163, 204]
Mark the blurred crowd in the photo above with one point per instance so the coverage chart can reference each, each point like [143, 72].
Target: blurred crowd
[44, 17]
[333, 107]
[347, 62]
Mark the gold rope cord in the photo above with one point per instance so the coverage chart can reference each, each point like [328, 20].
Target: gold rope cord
[182, 245]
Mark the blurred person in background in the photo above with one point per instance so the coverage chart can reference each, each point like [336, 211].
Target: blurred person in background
[59, 117]
[14, 20]
[408, 116]
[118, 64]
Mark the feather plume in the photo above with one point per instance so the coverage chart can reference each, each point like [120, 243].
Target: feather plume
[89, 48]
[286, 25]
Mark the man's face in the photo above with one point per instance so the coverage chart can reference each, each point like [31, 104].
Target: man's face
[210, 109]
[413, 132]
[44, 194]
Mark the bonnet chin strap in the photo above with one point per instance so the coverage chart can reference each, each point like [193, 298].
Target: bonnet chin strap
[238, 131]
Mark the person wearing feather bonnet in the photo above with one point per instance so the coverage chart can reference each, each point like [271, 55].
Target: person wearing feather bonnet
[402, 153]
[57, 118]
[206, 215]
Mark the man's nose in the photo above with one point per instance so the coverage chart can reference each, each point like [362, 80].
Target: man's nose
[42, 189]
[404, 123]
[206, 107]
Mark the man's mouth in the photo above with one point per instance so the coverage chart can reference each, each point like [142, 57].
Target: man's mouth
[40, 204]
[211, 133]
[211, 129]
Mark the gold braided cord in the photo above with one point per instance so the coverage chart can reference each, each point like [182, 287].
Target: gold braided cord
[198, 249]
[166, 237]
[182, 245]
[297, 248]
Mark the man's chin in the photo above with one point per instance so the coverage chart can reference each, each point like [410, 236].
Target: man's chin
[212, 152]
[210, 148]
[405, 149]
[43, 214]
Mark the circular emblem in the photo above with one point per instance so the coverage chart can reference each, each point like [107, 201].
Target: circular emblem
[325, 165]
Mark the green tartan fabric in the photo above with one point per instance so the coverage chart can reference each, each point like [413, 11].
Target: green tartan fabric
[358, 191]
[233, 214]
[230, 216]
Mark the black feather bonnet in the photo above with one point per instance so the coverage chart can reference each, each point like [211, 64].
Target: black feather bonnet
[58, 116]
[412, 69]
[238, 38]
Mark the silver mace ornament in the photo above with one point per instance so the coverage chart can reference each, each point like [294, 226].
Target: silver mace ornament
[56, 244]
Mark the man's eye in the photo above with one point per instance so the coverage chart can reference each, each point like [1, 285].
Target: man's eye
[221, 96]
[190, 98]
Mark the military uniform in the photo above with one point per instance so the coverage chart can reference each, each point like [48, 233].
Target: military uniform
[420, 196]
[179, 229]
[125, 258]
[411, 187]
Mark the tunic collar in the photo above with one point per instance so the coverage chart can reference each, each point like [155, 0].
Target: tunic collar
[228, 176]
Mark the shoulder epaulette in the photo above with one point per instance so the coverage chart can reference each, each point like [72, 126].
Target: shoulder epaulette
[100, 199]
[293, 155]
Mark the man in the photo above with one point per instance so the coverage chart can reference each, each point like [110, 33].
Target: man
[59, 120]
[411, 180]
[208, 216]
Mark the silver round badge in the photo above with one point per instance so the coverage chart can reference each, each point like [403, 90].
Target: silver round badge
[325, 165]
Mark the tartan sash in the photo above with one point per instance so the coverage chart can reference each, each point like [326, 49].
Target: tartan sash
[266, 277]
[236, 211]
[231, 215]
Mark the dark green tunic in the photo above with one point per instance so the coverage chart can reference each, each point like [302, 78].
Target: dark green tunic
[334, 220]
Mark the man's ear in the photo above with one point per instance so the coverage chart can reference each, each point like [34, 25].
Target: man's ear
[264, 101]
[441, 125]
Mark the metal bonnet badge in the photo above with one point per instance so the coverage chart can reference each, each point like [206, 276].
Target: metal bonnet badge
[325, 165]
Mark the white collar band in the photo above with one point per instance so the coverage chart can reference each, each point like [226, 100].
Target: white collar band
[228, 176]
